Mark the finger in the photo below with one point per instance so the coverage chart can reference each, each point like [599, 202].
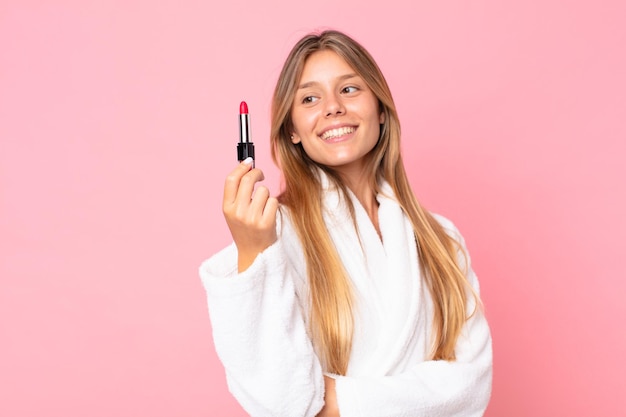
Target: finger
[233, 179]
[259, 199]
[246, 186]
[270, 209]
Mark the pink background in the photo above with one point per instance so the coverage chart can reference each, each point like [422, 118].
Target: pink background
[118, 123]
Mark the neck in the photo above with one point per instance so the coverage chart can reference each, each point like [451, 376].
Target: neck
[360, 186]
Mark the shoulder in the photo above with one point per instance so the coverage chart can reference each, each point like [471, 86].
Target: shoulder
[463, 256]
[449, 227]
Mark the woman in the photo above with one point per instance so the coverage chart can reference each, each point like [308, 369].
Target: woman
[343, 296]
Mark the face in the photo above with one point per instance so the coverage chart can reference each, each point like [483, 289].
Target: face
[335, 115]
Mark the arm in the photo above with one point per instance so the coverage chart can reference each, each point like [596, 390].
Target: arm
[330, 409]
[260, 335]
[258, 327]
[433, 388]
[430, 388]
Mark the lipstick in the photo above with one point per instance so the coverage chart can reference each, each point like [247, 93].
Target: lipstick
[245, 148]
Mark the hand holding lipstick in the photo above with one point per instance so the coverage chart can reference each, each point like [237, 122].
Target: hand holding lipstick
[250, 214]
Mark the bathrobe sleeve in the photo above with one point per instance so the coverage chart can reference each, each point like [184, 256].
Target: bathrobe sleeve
[430, 388]
[260, 335]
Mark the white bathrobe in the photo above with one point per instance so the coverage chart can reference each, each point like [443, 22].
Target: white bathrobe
[259, 319]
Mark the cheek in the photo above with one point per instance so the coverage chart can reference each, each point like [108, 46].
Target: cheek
[303, 123]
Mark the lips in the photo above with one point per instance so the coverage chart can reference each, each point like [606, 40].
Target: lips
[337, 132]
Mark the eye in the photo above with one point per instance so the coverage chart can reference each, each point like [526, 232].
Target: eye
[308, 99]
[350, 89]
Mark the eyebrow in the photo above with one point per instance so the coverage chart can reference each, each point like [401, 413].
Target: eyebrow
[340, 78]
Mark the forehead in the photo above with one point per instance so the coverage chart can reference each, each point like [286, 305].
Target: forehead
[324, 65]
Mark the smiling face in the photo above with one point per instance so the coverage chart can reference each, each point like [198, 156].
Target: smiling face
[335, 115]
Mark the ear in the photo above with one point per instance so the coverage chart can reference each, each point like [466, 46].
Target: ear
[295, 139]
[381, 118]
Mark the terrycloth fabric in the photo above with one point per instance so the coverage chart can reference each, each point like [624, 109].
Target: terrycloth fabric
[259, 320]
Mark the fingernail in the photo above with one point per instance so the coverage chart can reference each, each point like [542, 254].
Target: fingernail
[247, 161]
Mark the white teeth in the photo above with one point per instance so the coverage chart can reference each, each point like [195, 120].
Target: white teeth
[333, 133]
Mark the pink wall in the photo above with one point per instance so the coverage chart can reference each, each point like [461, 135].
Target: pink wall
[118, 124]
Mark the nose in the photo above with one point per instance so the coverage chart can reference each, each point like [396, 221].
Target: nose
[334, 106]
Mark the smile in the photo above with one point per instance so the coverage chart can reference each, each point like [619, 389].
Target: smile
[335, 133]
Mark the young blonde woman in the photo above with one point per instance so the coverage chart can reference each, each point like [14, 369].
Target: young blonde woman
[343, 296]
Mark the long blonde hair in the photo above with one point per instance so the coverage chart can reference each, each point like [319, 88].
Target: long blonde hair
[330, 290]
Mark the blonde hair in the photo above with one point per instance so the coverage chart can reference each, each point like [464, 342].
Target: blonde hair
[331, 315]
